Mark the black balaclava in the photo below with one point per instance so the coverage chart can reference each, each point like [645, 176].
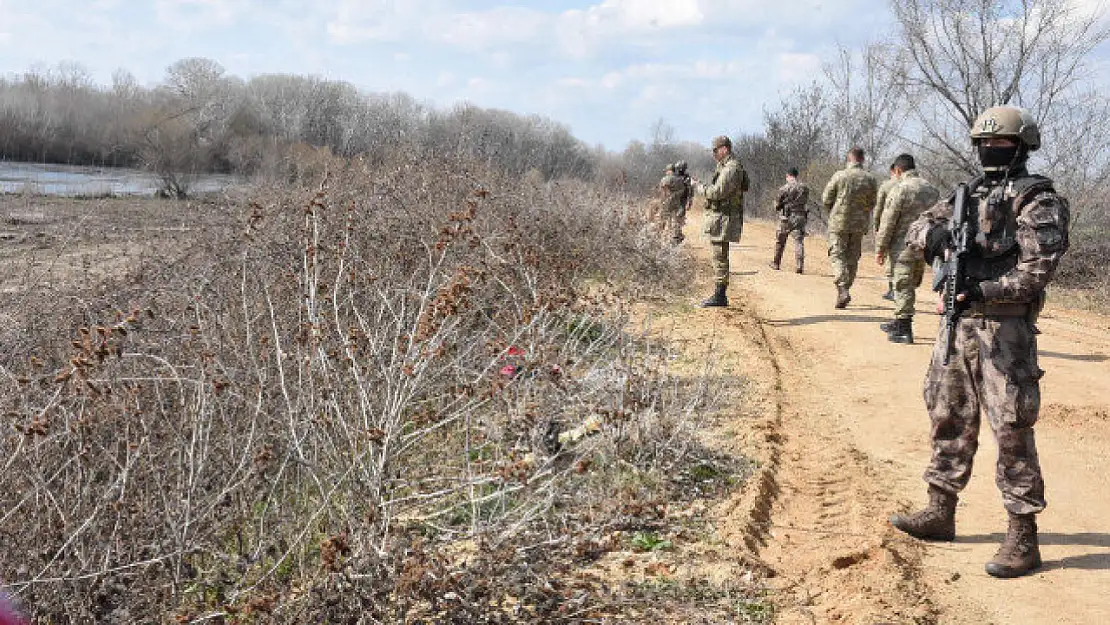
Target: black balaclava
[1000, 162]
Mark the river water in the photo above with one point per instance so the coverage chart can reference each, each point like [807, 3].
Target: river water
[71, 180]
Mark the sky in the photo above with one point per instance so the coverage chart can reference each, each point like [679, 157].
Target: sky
[607, 69]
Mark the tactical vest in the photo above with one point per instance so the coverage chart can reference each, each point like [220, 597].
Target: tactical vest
[997, 206]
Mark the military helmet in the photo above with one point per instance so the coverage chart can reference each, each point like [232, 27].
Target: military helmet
[680, 167]
[1007, 121]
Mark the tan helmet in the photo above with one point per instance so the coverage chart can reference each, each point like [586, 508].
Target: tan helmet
[1007, 121]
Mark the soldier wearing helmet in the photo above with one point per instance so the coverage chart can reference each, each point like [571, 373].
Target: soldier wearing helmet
[674, 189]
[1022, 232]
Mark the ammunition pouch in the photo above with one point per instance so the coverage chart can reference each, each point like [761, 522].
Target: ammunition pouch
[992, 309]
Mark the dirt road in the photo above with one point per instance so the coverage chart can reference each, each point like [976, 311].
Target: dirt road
[850, 444]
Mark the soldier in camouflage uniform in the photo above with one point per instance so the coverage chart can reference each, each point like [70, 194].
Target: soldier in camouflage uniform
[1022, 233]
[673, 192]
[848, 198]
[686, 198]
[912, 196]
[724, 213]
[793, 214]
[876, 218]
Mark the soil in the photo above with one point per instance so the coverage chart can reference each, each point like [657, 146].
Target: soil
[835, 416]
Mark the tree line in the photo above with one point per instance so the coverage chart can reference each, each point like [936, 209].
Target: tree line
[202, 119]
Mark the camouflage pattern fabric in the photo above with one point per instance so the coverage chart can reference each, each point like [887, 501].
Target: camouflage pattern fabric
[906, 201]
[845, 249]
[907, 275]
[719, 252]
[724, 210]
[792, 199]
[788, 224]
[675, 191]
[994, 370]
[880, 201]
[848, 198]
[909, 198]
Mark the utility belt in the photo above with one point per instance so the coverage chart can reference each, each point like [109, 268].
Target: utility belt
[988, 309]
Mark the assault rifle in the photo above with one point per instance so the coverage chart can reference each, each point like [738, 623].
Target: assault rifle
[950, 272]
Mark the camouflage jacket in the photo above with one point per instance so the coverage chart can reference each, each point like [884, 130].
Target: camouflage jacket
[1022, 234]
[848, 198]
[672, 190]
[909, 198]
[880, 202]
[792, 199]
[724, 208]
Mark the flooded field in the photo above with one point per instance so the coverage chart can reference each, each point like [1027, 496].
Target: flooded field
[68, 180]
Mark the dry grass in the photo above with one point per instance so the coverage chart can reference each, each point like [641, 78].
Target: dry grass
[407, 395]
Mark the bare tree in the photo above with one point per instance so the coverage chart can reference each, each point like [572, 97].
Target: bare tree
[967, 55]
[867, 100]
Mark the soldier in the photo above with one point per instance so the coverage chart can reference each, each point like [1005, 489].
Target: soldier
[686, 198]
[1022, 233]
[909, 198]
[724, 213]
[848, 198]
[876, 217]
[791, 205]
[672, 191]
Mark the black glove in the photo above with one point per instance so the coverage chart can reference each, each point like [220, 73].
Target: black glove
[973, 292]
[937, 242]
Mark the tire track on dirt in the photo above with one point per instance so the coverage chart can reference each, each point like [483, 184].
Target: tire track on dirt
[817, 509]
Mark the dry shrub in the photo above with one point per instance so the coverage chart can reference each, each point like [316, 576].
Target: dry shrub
[406, 395]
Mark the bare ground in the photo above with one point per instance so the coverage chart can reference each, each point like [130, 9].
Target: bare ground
[843, 438]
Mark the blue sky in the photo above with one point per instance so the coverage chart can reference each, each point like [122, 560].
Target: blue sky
[608, 69]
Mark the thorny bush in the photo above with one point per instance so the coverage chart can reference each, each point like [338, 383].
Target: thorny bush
[407, 395]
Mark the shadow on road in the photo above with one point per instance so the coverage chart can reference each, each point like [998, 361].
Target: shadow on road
[808, 321]
[1089, 561]
[1079, 357]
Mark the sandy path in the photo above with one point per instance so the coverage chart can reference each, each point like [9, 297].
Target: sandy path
[853, 444]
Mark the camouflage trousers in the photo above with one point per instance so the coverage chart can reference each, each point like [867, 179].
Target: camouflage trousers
[890, 274]
[720, 262]
[993, 371]
[907, 275]
[672, 222]
[791, 224]
[845, 249]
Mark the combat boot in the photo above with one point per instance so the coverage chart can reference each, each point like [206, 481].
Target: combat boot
[889, 295]
[798, 269]
[842, 297]
[901, 331]
[718, 299]
[773, 265]
[936, 522]
[1020, 552]
[887, 326]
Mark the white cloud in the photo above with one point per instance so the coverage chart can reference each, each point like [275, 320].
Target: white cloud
[199, 14]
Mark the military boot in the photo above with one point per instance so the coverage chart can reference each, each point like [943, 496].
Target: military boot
[887, 326]
[889, 295]
[773, 265]
[1020, 553]
[798, 269]
[842, 297]
[901, 331]
[718, 298]
[936, 522]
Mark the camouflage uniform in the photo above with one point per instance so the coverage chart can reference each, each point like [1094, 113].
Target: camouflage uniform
[912, 196]
[793, 214]
[1023, 228]
[848, 198]
[877, 216]
[724, 212]
[675, 191]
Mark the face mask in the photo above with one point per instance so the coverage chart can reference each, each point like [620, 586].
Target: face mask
[996, 157]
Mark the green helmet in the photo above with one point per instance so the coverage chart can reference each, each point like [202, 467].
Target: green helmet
[1007, 121]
